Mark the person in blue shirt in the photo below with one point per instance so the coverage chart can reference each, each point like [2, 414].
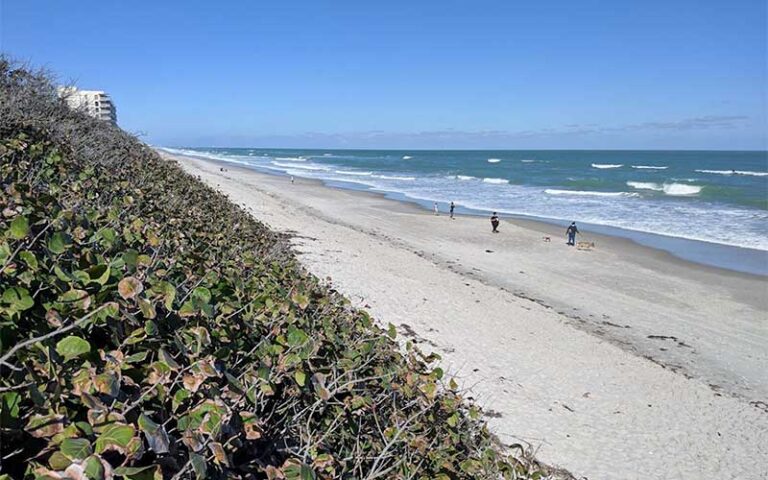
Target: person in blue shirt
[571, 233]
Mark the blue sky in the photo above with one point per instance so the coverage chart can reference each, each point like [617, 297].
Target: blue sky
[413, 74]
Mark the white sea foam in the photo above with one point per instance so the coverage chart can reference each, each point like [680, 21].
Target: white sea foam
[302, 167]
[681, 189]
[497, 181]
[587, 193]
[735, 172]
[645, 186]
[350, 172]
[607, 165]
[394, 177]
[291, 159]
[407, 157]
[494, 160]
[648, 167]
[527, 161]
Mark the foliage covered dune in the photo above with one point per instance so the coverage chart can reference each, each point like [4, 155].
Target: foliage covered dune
[150, 328]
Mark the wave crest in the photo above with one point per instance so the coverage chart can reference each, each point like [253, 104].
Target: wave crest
[681, 189]
[735, 172]
[350, 172]
[587, 193]
[607, 165]
[645, 186]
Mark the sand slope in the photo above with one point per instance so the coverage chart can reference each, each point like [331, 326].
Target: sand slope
[550, 340]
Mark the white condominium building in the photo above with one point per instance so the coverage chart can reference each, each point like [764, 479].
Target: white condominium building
[93, 102]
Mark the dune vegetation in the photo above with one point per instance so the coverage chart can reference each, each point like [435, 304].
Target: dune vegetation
[150, 328]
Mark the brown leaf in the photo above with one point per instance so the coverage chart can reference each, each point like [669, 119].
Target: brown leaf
[129, 287]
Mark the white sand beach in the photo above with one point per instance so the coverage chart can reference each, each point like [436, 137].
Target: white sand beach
[621, 362]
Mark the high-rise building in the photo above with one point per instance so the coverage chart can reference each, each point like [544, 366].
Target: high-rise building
[93, 102]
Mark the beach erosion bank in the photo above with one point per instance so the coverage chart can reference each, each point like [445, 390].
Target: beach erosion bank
[619, 362]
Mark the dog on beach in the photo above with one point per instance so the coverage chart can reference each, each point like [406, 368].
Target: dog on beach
[546, 239]
[585, 245]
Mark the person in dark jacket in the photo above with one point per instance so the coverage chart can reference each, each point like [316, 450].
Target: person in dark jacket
[571, 233]
[495, 222]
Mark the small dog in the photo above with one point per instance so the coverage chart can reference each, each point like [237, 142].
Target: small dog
[585, 245]
[547, 239]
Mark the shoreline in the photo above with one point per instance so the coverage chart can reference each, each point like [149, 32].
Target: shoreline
[721, 256]
[611, 362]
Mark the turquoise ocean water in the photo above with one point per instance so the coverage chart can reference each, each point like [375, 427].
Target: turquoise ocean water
[681, 201]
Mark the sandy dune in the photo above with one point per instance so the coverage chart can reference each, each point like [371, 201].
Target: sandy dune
[616, 363]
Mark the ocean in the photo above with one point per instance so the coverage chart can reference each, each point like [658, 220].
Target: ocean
[714, 198]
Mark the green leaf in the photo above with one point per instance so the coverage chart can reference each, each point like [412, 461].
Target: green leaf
[201, 294]
[76, 298]
[108, 234]
[128, 471]
[9, 409]
[59, 461]
[300, 377]
[138, 473]
[392, 331]
[453, 420]
[114, 436]
[150, 327]
[76, 448]
[72, 346]
[29, 258]
[57, 243]
[198, 465]
[17, 299]
[99, 273]
[157, 438]
[94, 469]
[19, 227]
[136, 357]
[296, 337]
[298, 471]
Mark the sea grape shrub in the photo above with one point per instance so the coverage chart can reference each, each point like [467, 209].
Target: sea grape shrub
[150, 328]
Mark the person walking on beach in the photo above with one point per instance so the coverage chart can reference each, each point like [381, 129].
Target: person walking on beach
[495, 222]
[437, 212]
[571, 232]
[453, 207]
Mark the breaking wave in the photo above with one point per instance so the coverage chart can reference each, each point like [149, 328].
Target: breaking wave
[587, 193]
[497, 181]
[734, 172]
[681, 189]
[645, 186]
[607, 165]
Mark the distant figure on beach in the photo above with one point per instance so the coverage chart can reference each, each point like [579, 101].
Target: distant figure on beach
[453, 207]
[495, 222]
[571, 232]
[291, 179]
[437, 212]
